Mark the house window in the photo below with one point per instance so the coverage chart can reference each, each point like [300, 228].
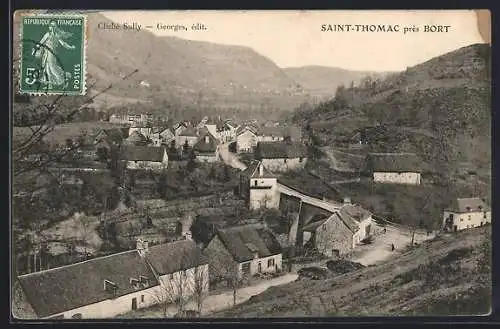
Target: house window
[255, 182]
[469, 217]
[270, 262]
[134, 283]
[245, 268]
[461, 219]
[142, 298]
[484, 215]
[284, 160]
[324, 227]
[259, 267]
[300, 159]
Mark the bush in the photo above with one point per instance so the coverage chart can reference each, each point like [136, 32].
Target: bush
[342, 266]
[313, 273]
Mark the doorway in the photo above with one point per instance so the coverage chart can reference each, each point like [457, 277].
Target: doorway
[259, 267]
[134, 303]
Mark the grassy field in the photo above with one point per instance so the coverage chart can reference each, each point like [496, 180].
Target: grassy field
[449, 275]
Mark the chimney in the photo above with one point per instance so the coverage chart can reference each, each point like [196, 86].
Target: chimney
[261, 169]
[347, 201]
[142, 247]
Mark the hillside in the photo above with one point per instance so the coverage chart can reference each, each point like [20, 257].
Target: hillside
[449, 275]
[439, 109]
[322, 81]
[188, 72]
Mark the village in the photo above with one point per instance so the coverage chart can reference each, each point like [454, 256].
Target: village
[207, 214]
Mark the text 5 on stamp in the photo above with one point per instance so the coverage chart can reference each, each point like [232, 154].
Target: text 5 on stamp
[53, 54]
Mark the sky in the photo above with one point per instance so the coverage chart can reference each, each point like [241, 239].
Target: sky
[294, 38]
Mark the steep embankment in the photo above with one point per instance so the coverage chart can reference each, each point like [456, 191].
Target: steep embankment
[449, 275]
[440, 109]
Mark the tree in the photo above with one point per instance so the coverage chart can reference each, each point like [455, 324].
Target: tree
[200, 289]
[175, 289]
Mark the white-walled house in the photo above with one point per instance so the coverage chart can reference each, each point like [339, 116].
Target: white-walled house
[144, 157]
[394, 168]
[243, 251]
[362, 217]
[281, 156]
[98, 288]
[259, 186]
[466, 213]
[108, 286]
[246, 139]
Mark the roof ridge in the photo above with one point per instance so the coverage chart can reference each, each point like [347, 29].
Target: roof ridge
[78, 263]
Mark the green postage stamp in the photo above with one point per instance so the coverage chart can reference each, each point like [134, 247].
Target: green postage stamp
[52, 59]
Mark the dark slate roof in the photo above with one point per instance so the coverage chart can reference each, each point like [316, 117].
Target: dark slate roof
[141, 153]
[280, 150]
[340, 215]
[72, 286]
[273, 131]
[393, 162]
[189, 132]
[204, 147]
[240, 241]
[463, 205]
[175, 256]
[136, 138]
[348, 220]
[252, 171]
[243, 128]
[356, 211]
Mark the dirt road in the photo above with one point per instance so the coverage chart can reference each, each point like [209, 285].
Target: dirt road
[380, 249]
[216, 303]
[230, 158]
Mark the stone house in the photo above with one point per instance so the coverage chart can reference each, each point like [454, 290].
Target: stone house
[281, 156]
[331, 235]
[243, 251]
[465, 213]
[259, 186]
[246, 139]
[394, 168]
[206, 149]
[144, 157]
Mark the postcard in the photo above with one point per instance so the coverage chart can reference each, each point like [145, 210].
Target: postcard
[250, 164]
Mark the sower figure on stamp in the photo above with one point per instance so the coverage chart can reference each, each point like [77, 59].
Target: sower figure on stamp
[46, 49]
